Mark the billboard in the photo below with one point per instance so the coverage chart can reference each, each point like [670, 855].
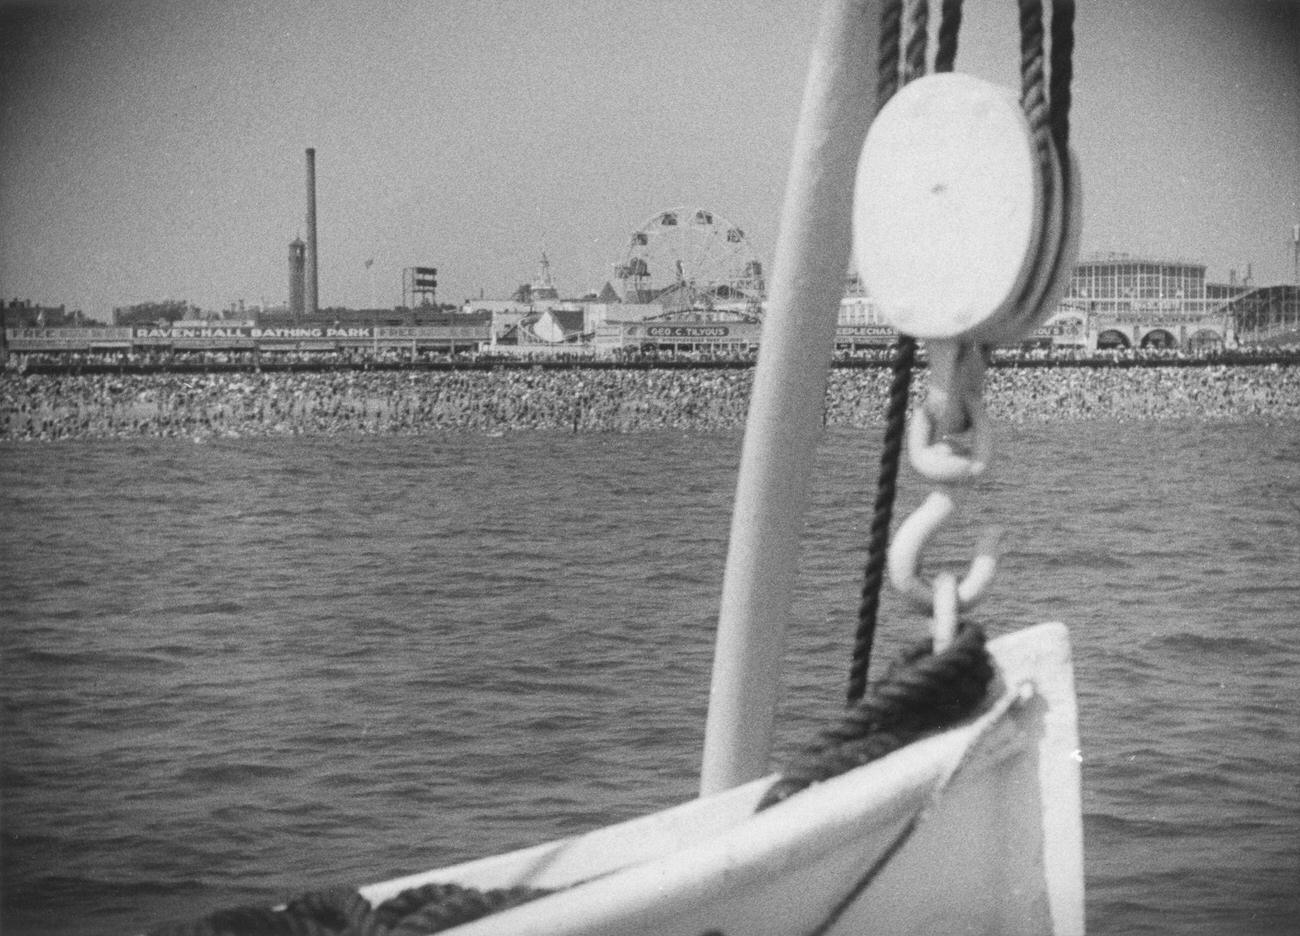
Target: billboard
[243, 336]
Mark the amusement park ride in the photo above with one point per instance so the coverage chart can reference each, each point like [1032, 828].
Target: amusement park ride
[694, 263]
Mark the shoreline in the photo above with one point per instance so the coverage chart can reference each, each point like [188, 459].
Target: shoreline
[244, 403]
[328, 362]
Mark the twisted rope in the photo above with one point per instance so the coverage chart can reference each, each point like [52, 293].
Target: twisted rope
[918, 25]
[1062, 62]
[921, 693]
[344, 912]
[437, 907]
[905, 353]
[891, 16]
[891, 24]
[882, 515]
[1033, 86]
[949, 26]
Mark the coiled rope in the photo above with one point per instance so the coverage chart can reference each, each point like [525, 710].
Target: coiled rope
[922, 692]
[343, 911]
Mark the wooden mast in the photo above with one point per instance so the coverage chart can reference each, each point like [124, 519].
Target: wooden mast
[786, 406]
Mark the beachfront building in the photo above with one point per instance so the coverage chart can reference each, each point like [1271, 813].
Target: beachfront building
[536, 328]
[1113, 301]
[23, 313]
[535, 321]
[1270, 315]
[1122, 301]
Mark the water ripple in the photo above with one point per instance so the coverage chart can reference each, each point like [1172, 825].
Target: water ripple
[274, 663]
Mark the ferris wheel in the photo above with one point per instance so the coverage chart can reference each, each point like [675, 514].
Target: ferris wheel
[690, 259]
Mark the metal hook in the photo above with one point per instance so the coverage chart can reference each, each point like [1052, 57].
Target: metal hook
[949, 441]
[937, 458]
[913, 536]
[957, 367]
[943, 623]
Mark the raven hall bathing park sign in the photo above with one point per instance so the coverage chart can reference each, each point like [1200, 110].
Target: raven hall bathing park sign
[243, 336]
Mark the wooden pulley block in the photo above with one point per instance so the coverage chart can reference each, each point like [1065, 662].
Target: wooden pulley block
[955, 227]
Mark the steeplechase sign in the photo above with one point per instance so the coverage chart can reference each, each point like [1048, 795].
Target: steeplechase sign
[865, 335]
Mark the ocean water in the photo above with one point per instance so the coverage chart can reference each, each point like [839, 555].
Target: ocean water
[238, 670]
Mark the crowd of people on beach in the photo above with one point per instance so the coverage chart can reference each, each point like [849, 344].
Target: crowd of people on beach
[159, 359]
[37, 406]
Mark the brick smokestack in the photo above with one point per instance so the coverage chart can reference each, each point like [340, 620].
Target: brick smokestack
[313, 282]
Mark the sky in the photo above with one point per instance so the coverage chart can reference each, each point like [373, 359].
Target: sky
[154, 149]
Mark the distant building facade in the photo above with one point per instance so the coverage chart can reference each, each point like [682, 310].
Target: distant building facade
[20, 313]
[1122, 301]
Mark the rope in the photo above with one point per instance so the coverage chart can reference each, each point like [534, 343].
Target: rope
[891, 19]
[1049, 121]
[905, 353]
[1062, 74]
[1062, 63]
[918, 25]
[891, 15]
[921, 693]
[1033, 93]
[882, 515]
[325, 913]
[437, 907]
[344, 912]
[949, 26]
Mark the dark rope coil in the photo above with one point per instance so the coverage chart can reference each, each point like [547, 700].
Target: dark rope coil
[437, 907]
[323, 913]
[344, 912]
[921, 693]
